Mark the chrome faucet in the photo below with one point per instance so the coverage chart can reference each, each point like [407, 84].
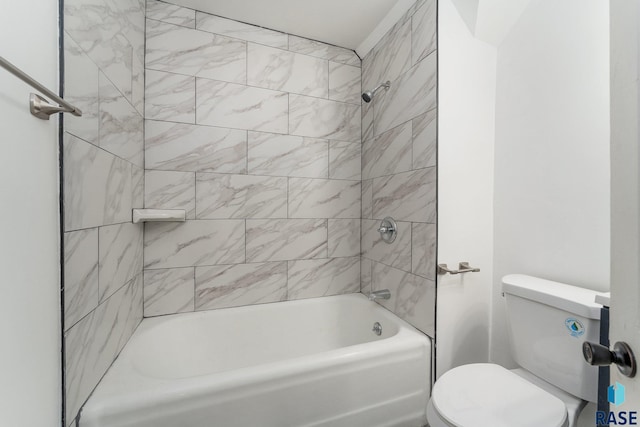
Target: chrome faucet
[383, 294]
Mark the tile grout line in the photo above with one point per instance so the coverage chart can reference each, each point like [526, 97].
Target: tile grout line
[204, 125]
[347, 51]
[174, 73]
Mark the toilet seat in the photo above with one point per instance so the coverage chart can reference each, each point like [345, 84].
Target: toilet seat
[488, 395]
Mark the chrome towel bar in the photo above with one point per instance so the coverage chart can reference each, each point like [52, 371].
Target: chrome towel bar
[463, 267]
[39, 106]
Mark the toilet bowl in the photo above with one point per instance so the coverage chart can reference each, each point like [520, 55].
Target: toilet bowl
[494, 396]
[548, 322]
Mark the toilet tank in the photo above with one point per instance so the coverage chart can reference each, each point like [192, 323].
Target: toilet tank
[548, 322]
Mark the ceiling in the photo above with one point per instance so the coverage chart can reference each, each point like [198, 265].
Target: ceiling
[491, 20]
[345, 23]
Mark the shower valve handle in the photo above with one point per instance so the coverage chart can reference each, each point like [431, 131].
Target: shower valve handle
[388, 230]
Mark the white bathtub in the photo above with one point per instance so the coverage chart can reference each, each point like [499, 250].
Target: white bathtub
[312, 362]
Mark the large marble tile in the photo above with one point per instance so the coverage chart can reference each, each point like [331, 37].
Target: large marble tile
[137, 187]
[323, 50]
[286, 71]
[396, 254]
[344, 238]
[423, 31]
[324, 198]
[196, 53]
[413, 298]
[425, 139]
[321, 118]
[81, 89]
[344, 83]
[286, 239]
[170, 97]
[80, 274]
[287, 155]
[389, 59]
[194, 243]
[239, 30]
[95, 341]
[132, 18]
[367, 198]
[120, 256]
[367, 121]
[137, 83]
[99, 29]
[323, 277]
[412, 9]
[224, 286]
[344, 160]
[184, 147]
[121, 126]
[241, 107]
[134, 15]
[387, 154]
[97, 186]
[169, 291]
[408, 196]
[171, 14]
[365, 275]
[170, 190]
[423, 250]
[240, 196]
[411, 95]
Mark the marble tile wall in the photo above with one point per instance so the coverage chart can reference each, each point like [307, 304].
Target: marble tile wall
[399, 167]
[257, 135]
[103, 175]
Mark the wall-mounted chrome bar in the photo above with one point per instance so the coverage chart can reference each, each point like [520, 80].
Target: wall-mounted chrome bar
[463, 267]
[39, 106]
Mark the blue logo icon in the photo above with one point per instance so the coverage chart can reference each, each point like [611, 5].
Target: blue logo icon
[575, 327]
[616, 394]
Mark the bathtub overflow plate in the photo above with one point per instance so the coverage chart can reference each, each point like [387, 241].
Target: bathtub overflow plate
[377, 328]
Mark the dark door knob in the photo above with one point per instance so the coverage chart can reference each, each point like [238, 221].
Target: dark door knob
[621, 356]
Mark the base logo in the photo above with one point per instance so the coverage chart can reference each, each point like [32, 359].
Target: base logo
[615, 396]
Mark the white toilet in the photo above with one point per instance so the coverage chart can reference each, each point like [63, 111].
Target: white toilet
[548, 322]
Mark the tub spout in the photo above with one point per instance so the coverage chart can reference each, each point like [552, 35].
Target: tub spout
[383, 294]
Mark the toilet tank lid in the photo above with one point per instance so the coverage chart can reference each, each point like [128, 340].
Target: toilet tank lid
[575, 300]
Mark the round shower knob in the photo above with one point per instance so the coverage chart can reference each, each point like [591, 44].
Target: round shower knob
[388, 230]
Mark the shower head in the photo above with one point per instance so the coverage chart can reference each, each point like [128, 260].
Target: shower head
[368, 95]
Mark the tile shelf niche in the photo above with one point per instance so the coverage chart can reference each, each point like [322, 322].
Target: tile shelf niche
[159, 215]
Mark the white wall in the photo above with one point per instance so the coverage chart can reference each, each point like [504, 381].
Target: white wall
[467, 71]
[552, 151]
[495, 18]
[29, 263]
